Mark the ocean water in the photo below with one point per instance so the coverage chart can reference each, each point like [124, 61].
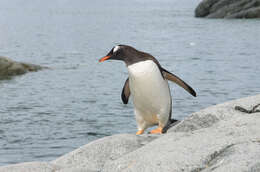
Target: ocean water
[46, 114]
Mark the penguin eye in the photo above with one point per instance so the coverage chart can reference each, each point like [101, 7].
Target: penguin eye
[117, 52]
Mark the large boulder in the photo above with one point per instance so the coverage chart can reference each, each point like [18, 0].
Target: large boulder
[219, 138]
[9, 67]
[30, 167]
[93, 156]
[228, 9]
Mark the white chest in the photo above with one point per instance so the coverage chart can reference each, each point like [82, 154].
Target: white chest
[149, 89]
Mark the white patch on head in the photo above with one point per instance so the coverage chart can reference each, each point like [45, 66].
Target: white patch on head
[116, 48]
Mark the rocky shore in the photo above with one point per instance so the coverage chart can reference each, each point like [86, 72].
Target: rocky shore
[228, 9]
[10, 68]
[219, 138]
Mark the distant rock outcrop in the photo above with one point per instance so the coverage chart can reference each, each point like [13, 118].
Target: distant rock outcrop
[216, 139]
[9, 67]
[228, 9]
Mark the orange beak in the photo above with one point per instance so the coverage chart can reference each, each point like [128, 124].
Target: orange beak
[104, 58]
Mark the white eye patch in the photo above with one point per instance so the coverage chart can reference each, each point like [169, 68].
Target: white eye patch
[116, 48]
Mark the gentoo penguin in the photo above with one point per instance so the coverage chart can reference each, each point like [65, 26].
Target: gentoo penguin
[148, 85]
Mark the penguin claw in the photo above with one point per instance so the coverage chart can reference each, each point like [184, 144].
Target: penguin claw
[157, 130]
[139, 132]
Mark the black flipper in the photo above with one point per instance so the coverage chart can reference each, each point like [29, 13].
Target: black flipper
[169, 76]
[125, 92]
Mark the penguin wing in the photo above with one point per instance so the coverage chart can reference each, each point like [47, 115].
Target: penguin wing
[125, 92]
[169, 76]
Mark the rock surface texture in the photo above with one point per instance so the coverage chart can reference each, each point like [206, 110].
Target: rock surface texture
[228, 9]
[9, 67]
[218, 138]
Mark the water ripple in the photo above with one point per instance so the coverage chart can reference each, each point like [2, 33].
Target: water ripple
[54, 111]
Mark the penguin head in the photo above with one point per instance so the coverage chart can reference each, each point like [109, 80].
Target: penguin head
[121, 52]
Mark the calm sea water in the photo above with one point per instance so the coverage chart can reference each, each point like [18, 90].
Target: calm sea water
[46, 114]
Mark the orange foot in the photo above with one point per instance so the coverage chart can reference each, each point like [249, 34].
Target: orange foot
[139, 132]
[157, 130]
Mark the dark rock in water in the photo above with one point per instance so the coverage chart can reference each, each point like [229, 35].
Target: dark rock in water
[228, 9]
[9, 67]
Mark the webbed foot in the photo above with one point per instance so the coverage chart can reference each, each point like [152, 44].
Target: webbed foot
[139, 132]
[157, 130]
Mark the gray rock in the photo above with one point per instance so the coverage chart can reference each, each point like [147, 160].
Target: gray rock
[9, 68]
[228, 9]
[228, 141]
[94, 155]
[30, 167]
[218, 138]
[75, 169]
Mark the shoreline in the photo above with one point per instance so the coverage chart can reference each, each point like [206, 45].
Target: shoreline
[217, 138]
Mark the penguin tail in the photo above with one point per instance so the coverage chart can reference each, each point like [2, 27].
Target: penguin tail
[171, 123]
